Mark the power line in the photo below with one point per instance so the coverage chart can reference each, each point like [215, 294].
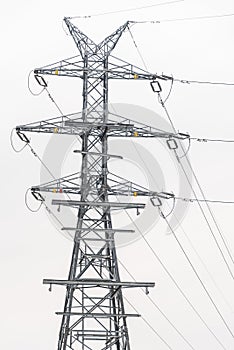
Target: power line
[26, 203]
[29, 88]
[203, 195]
[203, 200]
[203, 81]
[182, 19]
[175, 282]
[52, 99]
[157, 307]
[208, 207]
[199, 257]
[128, 10]
[185, 155]
[214, 220]
[197, 275]
[149, 325]
[139, 53]
[211, 213]
[197, 18]
[171, 78]
[210, 140]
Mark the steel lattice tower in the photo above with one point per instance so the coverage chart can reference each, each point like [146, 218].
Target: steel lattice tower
[94, 316]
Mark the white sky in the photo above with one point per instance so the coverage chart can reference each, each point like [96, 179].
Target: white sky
[32, 249]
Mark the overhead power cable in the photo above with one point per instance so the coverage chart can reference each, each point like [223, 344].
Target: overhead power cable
[210, 140]
[185, 154]
[157, 307]
[175, 282]
[149, 325]
[204, 82]
[204, 200]
[183, 19]
[139, 53]
[128, 9]
[197, 18]
[27, 144]
[52, 99]
[192, 246]
[197, 275]
[203, 196]
[30, 89]
[212, 215]
[172, 78]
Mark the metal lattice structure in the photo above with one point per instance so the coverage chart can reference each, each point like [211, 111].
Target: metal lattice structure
[94, 315]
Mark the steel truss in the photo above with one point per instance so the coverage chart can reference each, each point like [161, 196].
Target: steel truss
[94, 315]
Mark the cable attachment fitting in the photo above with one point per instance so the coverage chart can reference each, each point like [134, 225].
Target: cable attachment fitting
[156, 202]
[183, 136]
[202, 140]
[156, 87]
[166, 77]
[37, 194]
[41, 81]
[172, 144]
[166, 195]
[22, 136]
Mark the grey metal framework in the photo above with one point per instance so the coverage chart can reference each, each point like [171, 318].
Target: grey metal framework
[94, 315]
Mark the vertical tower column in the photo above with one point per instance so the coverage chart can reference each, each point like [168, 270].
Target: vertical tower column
[94, 317]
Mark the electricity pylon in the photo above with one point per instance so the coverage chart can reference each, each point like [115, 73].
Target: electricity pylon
[94, 315]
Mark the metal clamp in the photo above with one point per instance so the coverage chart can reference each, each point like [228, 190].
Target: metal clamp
[172, 144]
[41, 81]
[156, 202]
[183, 136]
[22, 136]
[156, 87]
[37, 196]
[166, 195]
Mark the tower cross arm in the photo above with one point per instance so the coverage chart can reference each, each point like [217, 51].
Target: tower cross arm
[84, 44]
[87, 47]
[70, 67]
[91, 282]
[117, 69]
[108, 44]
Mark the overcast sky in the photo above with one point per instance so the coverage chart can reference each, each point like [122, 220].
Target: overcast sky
[33, 249]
